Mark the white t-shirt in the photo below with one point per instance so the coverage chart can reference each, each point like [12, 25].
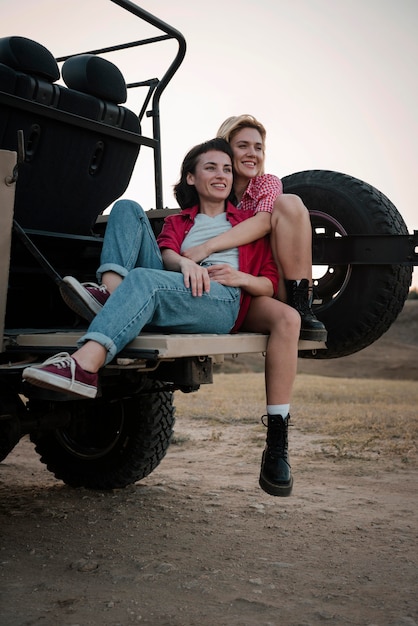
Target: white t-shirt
[206, 227]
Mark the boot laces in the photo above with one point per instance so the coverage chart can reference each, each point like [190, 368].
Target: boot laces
[302, 298]
[277, 440]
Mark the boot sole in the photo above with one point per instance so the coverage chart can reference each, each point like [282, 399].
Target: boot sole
[313, 335]
[273, 489]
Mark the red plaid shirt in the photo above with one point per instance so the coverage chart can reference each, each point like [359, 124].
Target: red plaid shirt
[261, 193]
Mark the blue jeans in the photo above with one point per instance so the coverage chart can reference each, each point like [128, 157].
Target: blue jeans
[150, 296]
[129, 241]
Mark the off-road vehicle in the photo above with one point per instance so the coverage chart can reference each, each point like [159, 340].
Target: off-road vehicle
[68, 148]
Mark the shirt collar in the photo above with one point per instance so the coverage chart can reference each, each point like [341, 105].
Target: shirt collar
[250, 190]
[193, 211]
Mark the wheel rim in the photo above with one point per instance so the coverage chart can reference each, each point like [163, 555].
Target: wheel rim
[329, 281]
[92, 437]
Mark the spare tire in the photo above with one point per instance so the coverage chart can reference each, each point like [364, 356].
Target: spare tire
[357, 303]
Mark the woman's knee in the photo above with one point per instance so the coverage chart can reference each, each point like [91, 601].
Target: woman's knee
[287, 322]
[278, 317]
[288, 207]
[124, 207]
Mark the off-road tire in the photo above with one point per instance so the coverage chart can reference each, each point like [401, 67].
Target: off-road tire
[357, 303]
[10, 432]
[9, 437]
[109, 444]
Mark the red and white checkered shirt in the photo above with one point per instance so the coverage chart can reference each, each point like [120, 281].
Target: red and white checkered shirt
[261, 193]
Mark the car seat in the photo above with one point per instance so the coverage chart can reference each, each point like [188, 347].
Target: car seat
[80, 143]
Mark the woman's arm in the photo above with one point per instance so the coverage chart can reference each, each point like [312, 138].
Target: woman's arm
[245, 232]
[195, 276]
[254, 285]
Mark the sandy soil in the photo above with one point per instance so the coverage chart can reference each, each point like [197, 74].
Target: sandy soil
[198, 543]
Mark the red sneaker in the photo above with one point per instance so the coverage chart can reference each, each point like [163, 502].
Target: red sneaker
[62, 373]
[85, 299]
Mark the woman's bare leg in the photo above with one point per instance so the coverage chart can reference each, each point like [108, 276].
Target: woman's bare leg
[282, 323]
[268, 315]
[112, 280]
[291, 242]
[91, 356]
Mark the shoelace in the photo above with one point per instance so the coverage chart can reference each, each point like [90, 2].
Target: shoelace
[303, 303]
[101, 288]
[60, 361]
[265, 417]
[277, 438]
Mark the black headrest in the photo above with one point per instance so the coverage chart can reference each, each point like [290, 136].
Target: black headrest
[96, 76]
[28, 56]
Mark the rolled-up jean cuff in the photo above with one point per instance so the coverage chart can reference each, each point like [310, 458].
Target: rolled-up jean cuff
[111, 267]
[104, 341]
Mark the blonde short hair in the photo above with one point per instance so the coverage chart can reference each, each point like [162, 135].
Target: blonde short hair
[231, 126]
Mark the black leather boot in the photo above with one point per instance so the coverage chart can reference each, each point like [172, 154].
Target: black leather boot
[275, 476]
[300, 298]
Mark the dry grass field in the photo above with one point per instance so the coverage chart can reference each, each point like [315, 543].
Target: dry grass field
[362, 405]
[351, 418]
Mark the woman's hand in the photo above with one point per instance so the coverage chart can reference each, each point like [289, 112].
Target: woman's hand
[230, 277]
[195, 276]
[226, 275]
[197, 253]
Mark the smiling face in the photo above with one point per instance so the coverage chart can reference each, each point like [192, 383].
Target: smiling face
[248, 148]
[212, 176]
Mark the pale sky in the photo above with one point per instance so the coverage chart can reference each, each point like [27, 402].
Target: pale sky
[334, 82]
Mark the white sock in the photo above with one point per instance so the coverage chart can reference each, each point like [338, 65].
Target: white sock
[278, 409]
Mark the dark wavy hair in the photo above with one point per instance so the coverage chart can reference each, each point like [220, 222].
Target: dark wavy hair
[185, 194]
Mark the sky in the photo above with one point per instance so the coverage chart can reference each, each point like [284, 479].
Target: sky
[335, 83]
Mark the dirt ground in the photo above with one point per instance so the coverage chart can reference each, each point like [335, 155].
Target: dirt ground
[198, 542]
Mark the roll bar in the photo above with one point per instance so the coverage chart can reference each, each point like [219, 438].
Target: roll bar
[155, 86]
